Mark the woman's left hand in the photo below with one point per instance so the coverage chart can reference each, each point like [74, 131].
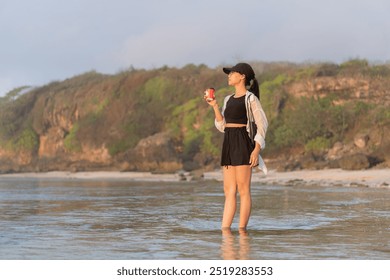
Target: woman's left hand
[254, 158]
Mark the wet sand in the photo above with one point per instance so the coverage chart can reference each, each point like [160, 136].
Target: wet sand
[328, 177]
[106, 175]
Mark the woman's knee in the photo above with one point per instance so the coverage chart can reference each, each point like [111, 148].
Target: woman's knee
[244, 189]
[230, 191]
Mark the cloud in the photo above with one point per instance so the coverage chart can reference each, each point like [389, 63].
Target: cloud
[332, 30]
[287, 30]
[176, 45]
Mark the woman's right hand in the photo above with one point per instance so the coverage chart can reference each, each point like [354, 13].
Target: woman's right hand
[212, 102]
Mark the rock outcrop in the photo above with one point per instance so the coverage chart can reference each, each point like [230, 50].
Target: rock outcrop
[372, 90]
[154, 153]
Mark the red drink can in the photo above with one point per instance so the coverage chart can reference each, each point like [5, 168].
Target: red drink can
[209, 94]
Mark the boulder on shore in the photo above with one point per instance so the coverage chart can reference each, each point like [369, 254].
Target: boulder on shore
[354, 162]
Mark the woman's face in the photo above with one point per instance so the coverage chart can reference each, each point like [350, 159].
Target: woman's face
[235, 78]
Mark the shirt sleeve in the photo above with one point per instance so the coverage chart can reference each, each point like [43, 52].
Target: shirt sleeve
[260, 120]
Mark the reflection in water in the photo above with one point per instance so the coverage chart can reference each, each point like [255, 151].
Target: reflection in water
[231, 249]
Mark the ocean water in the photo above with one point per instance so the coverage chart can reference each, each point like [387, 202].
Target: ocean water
[114, 219]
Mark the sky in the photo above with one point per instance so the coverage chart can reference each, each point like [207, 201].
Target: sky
[42, 41]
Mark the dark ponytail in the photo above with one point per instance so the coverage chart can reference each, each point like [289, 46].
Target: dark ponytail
[254, 87]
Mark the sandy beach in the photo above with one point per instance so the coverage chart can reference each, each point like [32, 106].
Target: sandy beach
[325, 177]
[328, 177]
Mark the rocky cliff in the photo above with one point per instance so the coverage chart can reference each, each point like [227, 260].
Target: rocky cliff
[156, 120]
[365, 143]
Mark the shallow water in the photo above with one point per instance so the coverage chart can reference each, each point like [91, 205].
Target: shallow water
[76, 219]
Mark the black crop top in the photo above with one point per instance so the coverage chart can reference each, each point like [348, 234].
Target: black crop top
[235, 111]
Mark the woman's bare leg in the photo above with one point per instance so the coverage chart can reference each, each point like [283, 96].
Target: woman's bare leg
[230, 190]
[243, 179]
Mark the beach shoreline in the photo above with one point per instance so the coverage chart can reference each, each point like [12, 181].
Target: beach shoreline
[325, 177]
[374, 178]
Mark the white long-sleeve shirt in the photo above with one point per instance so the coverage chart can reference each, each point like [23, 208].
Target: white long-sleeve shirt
[258, 117]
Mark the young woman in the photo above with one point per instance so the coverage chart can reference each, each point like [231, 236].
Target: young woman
[239, 154]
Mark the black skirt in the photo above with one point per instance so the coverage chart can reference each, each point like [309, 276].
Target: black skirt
[237, 147]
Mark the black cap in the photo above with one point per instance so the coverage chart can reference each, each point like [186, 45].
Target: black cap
[243, 69]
